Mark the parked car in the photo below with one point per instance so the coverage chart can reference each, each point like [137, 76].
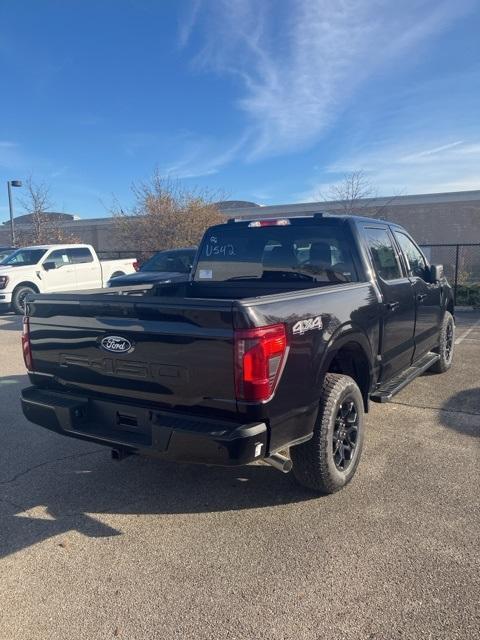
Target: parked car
[286, 331]
[174, 265]
[51, 268]
[5, 252]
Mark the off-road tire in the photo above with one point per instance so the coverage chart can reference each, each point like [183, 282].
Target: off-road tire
[447, 345]
[314, 464]
[18, 299]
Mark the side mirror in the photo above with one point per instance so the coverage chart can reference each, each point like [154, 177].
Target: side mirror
[436, 272]
[48, 266]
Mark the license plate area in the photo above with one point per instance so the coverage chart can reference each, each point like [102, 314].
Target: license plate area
[112, 421]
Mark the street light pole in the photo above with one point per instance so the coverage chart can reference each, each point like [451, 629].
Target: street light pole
[10, 184]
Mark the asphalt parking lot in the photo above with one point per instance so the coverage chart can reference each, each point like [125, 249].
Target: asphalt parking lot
[92, 548]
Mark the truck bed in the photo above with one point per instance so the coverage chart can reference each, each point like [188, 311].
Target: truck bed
[182, 354]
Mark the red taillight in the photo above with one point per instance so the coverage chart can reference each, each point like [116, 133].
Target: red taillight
[136, 265]
[259, 359]
[26, 346]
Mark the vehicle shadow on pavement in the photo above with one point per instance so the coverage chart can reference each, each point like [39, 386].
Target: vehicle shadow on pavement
[10, 322]
[65, 495]
[62, 484]
[458, 410]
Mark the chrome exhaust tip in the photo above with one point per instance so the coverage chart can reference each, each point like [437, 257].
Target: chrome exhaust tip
[282, 463]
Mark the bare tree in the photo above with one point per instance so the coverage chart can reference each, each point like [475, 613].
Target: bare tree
[352, 194]
[42, 228]
[165, 215]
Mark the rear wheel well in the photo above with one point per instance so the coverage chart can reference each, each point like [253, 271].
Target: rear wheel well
[351, 360]
[117, 274]
[450, 307]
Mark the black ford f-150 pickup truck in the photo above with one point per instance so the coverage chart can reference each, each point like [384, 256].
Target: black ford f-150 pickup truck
[286, 330]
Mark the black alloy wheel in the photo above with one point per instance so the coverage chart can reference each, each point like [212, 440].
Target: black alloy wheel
[345, 434]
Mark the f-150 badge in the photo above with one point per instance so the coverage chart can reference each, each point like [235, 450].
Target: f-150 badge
[302, 326]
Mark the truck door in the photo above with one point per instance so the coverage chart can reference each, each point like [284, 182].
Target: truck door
[427, 296]
[62, 277]
[87, 269]
[398, 321]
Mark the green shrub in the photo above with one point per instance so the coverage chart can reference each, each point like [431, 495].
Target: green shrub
[468, 295]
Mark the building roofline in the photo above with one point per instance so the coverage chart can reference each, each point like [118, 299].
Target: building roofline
[304, 207]
[332, 205]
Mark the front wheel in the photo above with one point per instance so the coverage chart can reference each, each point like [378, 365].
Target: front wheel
[19, 297]
[446, 346]
[328, 461]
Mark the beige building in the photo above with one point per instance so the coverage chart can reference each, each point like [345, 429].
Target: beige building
[436, 218]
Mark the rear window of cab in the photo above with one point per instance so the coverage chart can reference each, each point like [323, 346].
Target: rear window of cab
[316, 253]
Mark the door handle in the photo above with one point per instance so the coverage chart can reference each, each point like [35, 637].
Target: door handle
[391, 306]
[421, 297]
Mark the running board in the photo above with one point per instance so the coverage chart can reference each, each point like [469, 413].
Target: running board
[387, 391]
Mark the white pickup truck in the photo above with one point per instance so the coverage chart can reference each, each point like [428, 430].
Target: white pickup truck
[55, 268]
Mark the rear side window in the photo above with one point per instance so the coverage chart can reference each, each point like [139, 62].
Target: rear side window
[383, 253]
[292, 253]
[416, 261]
[82, 255]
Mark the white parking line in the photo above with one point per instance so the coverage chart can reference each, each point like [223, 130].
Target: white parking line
[467, 332]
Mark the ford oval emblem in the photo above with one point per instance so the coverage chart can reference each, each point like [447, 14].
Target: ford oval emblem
[116, 344]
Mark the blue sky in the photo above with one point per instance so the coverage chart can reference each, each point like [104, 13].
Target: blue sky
[269, 101]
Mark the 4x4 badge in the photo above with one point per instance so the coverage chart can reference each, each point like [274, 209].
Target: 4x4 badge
[302, 326]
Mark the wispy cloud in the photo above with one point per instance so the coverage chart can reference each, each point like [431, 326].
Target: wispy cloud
[14, 157]
[430, 152]
[202, 157]
[397, 168]
[182, 154]
[187, 22]
[299, 65]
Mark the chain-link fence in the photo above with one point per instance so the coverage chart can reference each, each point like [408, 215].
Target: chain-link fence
[461, 263]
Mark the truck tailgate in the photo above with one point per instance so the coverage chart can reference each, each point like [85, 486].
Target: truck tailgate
[170, 352]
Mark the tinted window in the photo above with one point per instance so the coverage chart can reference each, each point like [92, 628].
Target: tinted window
[416, 261]
[297, 252]
[60, 257]
[82, 255]
[4, 253]
[383, 254]
[170, 262]
[24, 257]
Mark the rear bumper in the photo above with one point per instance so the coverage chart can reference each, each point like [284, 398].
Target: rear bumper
[178, 437]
